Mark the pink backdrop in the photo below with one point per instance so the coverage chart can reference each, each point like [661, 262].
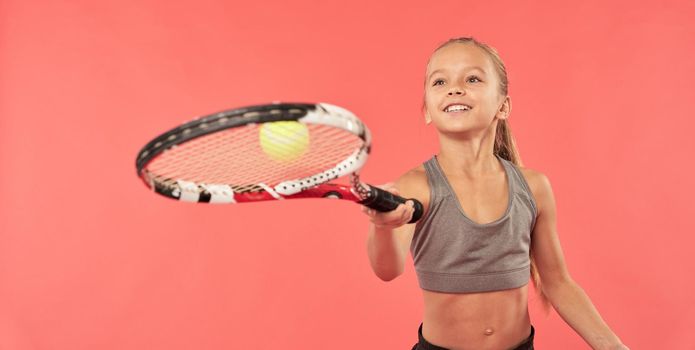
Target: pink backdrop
[89, 259]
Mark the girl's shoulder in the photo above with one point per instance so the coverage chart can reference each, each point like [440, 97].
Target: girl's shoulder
[415, 178]
[538, 183]
[413, 184]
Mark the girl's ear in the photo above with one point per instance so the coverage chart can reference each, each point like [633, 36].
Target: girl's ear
[428, 119]
[505, 108]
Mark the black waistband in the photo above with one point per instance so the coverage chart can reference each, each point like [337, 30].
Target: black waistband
[425, 345]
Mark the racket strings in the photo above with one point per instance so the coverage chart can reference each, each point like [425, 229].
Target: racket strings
[244, 157]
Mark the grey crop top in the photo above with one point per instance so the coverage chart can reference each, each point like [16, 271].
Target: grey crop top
[454, 254]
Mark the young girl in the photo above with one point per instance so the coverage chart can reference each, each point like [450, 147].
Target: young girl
[489, 223]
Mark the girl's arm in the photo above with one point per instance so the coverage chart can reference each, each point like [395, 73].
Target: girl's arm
[566, 296]
[390, 234]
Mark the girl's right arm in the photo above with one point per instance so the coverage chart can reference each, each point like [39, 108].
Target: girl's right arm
[389, 237]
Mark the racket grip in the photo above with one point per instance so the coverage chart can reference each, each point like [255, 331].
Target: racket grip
[384, 201]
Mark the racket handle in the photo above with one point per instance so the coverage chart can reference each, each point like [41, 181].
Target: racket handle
[384, 201]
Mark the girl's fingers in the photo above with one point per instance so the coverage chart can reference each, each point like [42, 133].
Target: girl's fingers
[397, 217]
[406, 214]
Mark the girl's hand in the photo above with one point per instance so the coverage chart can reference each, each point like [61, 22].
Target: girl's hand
[391, 219]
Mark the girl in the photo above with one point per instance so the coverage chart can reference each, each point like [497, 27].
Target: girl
[489, 223]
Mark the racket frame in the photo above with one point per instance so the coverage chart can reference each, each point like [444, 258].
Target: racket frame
[315, 186]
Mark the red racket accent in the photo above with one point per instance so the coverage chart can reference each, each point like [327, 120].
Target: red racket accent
[327, 190]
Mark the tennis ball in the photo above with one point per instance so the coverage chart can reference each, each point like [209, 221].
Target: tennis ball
[284, 140]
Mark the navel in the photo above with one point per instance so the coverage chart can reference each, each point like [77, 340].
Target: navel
[489, 331]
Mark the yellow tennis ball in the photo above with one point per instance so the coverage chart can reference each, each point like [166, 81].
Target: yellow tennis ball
[284, 140]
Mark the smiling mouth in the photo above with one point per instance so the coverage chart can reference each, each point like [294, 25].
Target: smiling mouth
[457, 108]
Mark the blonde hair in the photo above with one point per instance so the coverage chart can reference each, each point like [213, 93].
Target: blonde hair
[505, 146]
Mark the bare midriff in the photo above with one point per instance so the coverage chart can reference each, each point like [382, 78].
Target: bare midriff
[497, 320]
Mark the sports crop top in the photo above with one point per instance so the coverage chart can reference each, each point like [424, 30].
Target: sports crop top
[454, 254]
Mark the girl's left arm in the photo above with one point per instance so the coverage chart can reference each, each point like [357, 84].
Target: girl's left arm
[567, 297]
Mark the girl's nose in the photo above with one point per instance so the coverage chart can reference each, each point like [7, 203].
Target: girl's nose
[455, 91]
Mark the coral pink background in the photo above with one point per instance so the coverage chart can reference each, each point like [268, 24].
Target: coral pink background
[602, 97]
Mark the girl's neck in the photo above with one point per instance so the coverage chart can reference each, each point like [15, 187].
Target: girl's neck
[472, 157]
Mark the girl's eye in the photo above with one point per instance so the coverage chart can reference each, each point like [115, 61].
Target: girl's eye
[473, 79]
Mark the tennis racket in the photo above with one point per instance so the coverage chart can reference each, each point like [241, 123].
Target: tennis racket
[265, 152]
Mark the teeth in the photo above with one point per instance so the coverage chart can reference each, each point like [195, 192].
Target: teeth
[457, 108]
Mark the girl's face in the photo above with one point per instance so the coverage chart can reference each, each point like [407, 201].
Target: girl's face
[462, 90]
